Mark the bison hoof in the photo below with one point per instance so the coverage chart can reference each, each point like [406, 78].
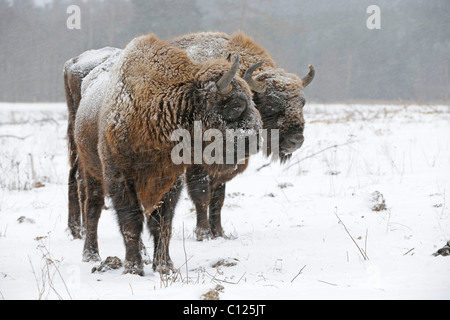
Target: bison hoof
[76, 235]
[89, 256]
[218, 233]
[74, 230]
[134, 268]
[203, 234]
[164, 268]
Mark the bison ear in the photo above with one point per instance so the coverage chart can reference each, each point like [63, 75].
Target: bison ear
[224, 83]
[257, 86]
[309, 77]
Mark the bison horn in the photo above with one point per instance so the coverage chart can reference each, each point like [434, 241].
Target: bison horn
[224, 83]
[256, 86]
[309, 77]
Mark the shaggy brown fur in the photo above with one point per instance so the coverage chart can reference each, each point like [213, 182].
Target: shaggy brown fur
[123, 128]
[203, 46]
[280, 105]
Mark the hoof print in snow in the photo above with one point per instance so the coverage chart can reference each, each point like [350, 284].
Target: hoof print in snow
[111, 263]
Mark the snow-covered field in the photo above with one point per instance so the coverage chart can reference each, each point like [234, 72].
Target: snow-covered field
[309, 229]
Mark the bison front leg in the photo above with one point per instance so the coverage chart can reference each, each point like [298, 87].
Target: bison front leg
[160, 226]
[198, 185]
[131, 230]
[123, 194]
[215, 208]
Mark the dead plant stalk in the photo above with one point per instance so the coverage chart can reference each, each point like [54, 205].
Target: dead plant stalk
[363, 252]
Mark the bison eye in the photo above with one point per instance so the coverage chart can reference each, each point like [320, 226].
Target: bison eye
[302, 101]
[272, 109]
[271, 105]
[233, 110]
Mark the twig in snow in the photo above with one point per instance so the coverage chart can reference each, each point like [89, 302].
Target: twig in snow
[13, 137]
[331, 284]
[298, 273]
[263, 166]
[185, 258]
[365, 244]
[225, 281]
[36, 279]
[50, 267]
[132, 292]
[363, 253]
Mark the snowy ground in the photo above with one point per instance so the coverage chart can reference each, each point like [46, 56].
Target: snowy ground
[281, 219]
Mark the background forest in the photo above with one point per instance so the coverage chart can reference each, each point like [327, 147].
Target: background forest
[407, 59]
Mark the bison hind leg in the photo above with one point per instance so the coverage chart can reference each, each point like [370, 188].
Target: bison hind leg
[93, 205]
[74, 222]
[123, 194]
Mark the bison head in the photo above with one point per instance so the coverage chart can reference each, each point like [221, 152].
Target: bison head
[226, 106]
[280, 100]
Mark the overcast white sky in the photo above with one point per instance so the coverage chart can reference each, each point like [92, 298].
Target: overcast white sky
[41, 2]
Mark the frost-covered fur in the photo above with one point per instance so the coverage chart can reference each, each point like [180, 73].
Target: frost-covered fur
[202, 46]
[282, 101]
[75, 70]
[280, 106]
[126, 116]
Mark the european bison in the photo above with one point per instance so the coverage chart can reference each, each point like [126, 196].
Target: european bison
[75, 70]
[128, 110]
[278, 96]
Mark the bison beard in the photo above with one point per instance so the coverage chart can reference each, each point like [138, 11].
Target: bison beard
[122, 135]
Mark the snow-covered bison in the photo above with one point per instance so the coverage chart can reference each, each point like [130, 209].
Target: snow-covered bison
[129, 107]
[75, 70]
[278, 96]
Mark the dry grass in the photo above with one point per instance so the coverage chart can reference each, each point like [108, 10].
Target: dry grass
[49, 270]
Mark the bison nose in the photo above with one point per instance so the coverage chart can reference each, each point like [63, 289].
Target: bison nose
[296, 140]
[292, 143]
